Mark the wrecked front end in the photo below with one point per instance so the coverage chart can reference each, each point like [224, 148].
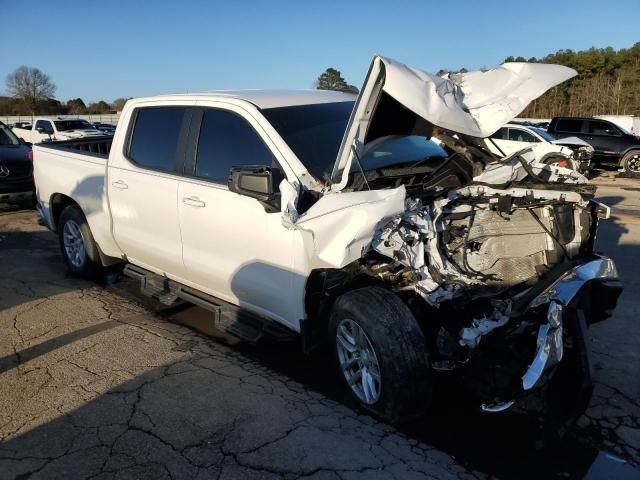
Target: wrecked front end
[493, 256]
[504, 281]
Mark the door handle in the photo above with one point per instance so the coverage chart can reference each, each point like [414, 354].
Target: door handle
[120, 185]
[193, 201]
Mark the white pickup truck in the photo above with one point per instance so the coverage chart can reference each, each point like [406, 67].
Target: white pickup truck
[56, 129]
[321, 215]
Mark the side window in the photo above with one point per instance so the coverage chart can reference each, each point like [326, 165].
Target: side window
[519, 135]
[570, 125]
[44, 125]
[227, 140]
[500, 134]
[154, 140]
[597, 127]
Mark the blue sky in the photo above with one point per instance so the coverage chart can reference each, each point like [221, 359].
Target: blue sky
[108, 49]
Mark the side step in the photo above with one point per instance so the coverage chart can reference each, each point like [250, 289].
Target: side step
[228, 318]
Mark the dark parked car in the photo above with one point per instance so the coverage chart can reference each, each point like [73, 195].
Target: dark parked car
[105, 128]
[612, 144]
[16, 168]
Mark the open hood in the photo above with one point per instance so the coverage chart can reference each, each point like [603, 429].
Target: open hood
[400, 100]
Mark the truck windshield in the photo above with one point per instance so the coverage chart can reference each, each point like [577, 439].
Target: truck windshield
[313, 132]
[401, 150]
[7, 137]
[63, 125]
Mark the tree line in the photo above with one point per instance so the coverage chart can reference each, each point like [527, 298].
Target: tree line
[31, 92]
[608, 82]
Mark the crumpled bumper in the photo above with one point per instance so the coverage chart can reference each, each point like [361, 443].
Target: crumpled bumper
[589, 292]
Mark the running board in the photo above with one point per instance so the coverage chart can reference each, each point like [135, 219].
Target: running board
[228, 318]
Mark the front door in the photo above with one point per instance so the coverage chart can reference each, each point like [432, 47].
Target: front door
[233, 247]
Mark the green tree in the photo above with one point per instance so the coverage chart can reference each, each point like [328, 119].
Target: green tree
[76, 106]
[118, 104]
[31, 86]
[99, 107]
[331, 79]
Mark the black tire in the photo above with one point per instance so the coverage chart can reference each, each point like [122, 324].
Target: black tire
[89, 265]
[630, 163]
[399, 347]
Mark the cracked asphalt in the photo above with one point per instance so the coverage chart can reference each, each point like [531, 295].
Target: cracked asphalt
[96, 383]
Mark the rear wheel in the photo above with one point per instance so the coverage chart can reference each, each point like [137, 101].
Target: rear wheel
[79, 249]
[380, 353]
[630, 163]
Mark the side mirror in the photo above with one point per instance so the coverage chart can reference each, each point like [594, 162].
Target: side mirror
[256, 182]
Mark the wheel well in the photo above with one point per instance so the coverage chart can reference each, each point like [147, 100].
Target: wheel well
[627, 152]
[58, 203]
[323, 287]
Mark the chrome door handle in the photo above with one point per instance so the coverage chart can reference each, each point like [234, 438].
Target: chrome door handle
[193, 201]
[120, 185]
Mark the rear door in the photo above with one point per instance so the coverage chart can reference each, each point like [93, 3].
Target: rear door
[234, 248]
[142, 187]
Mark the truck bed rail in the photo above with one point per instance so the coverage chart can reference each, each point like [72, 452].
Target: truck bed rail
[95, 146]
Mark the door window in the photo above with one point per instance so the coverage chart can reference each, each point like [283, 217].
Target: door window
[570, 125]
[227, 140]
[154, 141]
[597, 127]
[500, 134]
[45, 125]
[519, 135]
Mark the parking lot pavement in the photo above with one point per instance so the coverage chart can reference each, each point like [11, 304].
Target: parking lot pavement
[94, 385]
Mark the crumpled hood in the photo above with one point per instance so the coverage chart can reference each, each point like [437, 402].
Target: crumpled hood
[474, 103]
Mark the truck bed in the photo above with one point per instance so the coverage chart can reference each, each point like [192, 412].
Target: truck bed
[75, 171]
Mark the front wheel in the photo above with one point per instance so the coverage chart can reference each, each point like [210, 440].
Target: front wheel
[380, 353]
[79, 249]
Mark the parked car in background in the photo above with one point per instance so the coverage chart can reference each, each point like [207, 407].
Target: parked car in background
[20, 125]
[105, 128]
[612, 144]
[630, 123]
[329, 217]
[16, 168]
[572, 152]
[57, 129]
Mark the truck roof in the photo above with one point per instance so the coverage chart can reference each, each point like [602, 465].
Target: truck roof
[264, 98]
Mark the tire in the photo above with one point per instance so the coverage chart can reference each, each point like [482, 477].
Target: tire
[79, 249]
[393, 341]
[630, 163]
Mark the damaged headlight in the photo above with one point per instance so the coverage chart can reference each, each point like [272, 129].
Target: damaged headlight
[554, 314]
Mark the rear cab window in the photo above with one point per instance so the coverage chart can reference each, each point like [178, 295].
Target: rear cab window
[154, 141]
[45, 125]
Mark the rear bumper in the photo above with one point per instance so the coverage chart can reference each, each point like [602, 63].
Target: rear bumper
[584, 295]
